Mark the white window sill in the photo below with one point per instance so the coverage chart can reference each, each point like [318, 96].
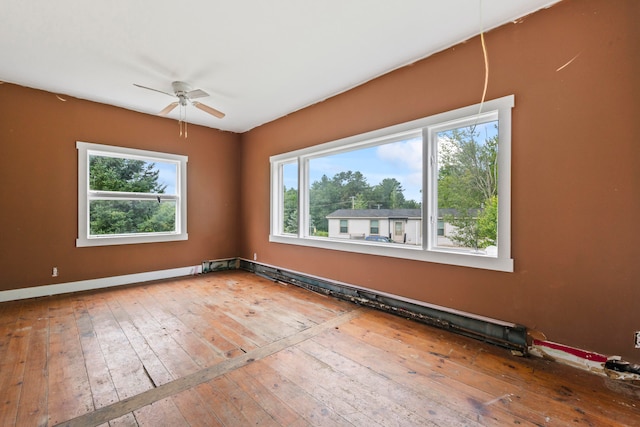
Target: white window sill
[129, 240]
[415, 253]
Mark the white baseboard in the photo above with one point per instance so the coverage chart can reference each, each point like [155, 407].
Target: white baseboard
[106, 282]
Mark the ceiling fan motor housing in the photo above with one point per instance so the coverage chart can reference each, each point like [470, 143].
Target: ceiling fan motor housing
[181, 89]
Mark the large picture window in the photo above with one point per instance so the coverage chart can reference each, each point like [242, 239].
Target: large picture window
[436, 189]
[129, 196]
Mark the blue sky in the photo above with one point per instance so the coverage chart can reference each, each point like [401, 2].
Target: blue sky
[168, 175]
[400, 160]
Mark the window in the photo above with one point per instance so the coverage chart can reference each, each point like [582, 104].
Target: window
[130, 196]
[431, 183]
[290, 198]
[465, 183]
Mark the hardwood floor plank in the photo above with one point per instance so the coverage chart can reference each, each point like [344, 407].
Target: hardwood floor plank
[127, 420]
[196, 347]
[160, 413]
[399, 385]
[261, 330]
[264, 317]
[241, 401]
[127, 371]
[236, 332]
[313, 307]
[313, 411]
[141, 326]
[219, 404]
[277, 409]
[32, 409]
[465, 400]
[134, 402]
[458, 376]
[12, 365]
[103, 390]
[195, 410]
[223, 340]
[69, 389]
[493, 369]
[353, 400]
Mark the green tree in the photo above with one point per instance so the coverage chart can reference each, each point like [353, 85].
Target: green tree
[467, 185]
[488, 223]
[350, 190]
[290, 216]
[389, 194]
[342, 191]
[128, 216]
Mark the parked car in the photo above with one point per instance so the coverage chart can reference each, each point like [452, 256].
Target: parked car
[376, 238]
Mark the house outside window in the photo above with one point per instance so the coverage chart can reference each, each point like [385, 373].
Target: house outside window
[373, 227]
[128, 196]
[425, 165]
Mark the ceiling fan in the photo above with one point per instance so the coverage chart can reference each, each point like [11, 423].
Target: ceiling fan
[185, 94]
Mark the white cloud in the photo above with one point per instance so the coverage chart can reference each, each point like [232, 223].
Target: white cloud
[405, 154]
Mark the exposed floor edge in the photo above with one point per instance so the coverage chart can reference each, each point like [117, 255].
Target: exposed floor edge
[494, 331]
[497, 332]
[609, 366]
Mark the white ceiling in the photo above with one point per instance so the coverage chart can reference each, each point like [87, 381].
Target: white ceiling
[258, 59]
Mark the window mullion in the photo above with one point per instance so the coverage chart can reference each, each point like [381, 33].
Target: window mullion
[303, 198]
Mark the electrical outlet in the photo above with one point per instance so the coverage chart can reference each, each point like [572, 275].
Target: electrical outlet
[54, 272]
[255, 256]
[637, 339]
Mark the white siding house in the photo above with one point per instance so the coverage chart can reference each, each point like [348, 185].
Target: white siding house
[399, 225]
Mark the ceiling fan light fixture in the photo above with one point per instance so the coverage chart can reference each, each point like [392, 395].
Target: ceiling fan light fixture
[185, 94]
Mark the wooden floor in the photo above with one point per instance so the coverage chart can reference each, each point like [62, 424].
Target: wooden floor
[235, 349]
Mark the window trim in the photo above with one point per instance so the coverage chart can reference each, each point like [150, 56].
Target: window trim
[501, 262]
[85, 149]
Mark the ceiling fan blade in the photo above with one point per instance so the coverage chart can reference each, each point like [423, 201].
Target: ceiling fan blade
[166, 110]
[208, 109]
[155, 90]
[196, 93]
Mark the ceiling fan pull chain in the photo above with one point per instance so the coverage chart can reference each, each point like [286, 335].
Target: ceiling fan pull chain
[180, 119]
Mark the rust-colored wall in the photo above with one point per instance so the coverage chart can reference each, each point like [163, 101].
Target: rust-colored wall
[39, 190]
[576, 175]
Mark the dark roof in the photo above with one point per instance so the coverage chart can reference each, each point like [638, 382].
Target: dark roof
[376, 213]
[391, 213]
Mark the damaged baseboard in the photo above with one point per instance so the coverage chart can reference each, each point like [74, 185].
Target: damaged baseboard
[220, 265]
[609, 366]
[494, 331]
[508, 335]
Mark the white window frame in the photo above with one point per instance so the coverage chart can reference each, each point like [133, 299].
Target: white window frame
[499, 108]
[85, 150]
